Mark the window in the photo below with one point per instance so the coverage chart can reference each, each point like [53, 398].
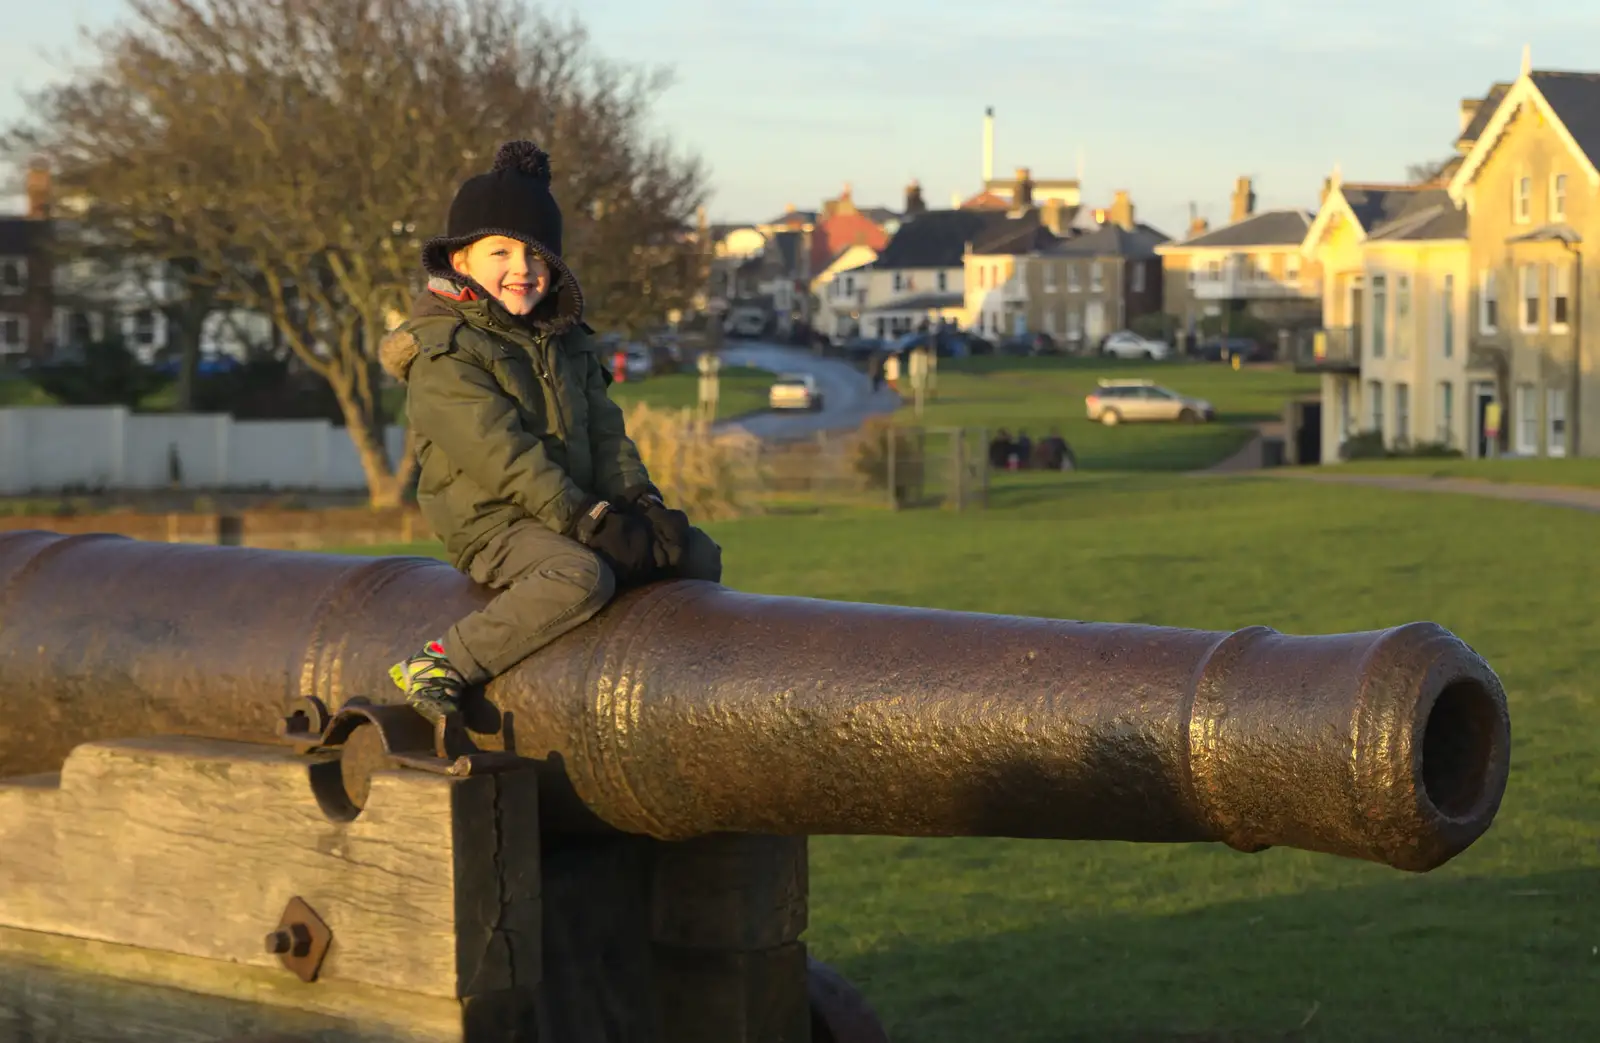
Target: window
[1560, 296]
[944, 281]
[1402, 414]
[1096, 277]
[1527, 419]
[1136, 277]
[1291, 269]
[898, 281]
[849, 285]
[1375, 404]
[1049, 277]
[13, 274]
[1555, 411]
[13, 332]
[1380, 314]
[1074, 323]
[1402, 317]
[1447, 317]
[1447, 413]
[1530, 297]
[1050, 321]
[1522, 203]
[144, 327]
[1558, 198]
[1073, 278]
[1488, 303]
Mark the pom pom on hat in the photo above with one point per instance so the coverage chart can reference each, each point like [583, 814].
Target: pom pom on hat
[524, 157]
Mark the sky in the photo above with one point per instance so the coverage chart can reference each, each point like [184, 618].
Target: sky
[1171, 100]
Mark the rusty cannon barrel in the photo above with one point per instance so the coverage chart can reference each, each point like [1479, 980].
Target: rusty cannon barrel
[687, 708]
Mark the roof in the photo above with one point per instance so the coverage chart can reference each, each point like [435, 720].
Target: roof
[791, 217]
[1377, 205]
[938, 238]
[1021, 234]
[1110, 241]
[1556, 233]
[924, 302]
[1575, 97]
[20, 236]
[1442, 220]
[1572, 100]
[1485, 113]
[880, 214]
[1268, 228]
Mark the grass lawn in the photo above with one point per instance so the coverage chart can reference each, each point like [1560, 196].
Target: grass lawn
[744, 390]
[1038, 393]
[1535, 471]
[1036, 941]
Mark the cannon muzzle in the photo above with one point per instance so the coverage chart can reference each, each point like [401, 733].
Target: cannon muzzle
[687, 708]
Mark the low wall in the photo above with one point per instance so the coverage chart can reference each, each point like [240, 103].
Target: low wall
[274, 529]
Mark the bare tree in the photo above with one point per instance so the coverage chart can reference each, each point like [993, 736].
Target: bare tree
[1428, 170]
[299, 151]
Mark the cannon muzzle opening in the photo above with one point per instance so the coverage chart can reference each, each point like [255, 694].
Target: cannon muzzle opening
[1459, 746]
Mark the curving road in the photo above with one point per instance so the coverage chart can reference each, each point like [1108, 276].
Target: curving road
[847, 395]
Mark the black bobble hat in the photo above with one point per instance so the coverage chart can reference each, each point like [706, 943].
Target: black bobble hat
[513, 199]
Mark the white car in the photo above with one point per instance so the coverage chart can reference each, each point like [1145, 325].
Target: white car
[1126, 344]
[795, 391]
[640, 364]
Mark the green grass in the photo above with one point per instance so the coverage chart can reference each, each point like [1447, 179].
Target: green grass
[1040, 393]
[744, 390]
[1583, 472]
[1035, 941]
[18, 391]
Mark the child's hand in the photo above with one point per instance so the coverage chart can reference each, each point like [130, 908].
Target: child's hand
[624, 539]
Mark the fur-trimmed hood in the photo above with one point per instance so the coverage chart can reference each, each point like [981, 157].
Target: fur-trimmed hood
[461, 300]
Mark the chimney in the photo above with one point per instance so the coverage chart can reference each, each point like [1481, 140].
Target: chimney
[1244, 200]
[1122, 210]
[914, 203]
[38, 192]
[1022, 195]
[988, 146]
[1053, 215]
[1198, 226]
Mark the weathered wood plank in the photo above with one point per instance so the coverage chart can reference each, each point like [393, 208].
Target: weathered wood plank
[194, 847]
[55, 989]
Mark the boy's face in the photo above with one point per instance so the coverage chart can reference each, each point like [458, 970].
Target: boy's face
[510, 270]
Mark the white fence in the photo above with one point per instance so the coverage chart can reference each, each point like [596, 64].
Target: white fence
[50, 449]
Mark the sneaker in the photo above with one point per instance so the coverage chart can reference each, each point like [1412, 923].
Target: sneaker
[433, 687]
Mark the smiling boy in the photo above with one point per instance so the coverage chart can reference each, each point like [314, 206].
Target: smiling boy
[526, 470]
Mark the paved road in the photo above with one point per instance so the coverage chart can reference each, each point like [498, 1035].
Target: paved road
[1551, 495]
[847, 395]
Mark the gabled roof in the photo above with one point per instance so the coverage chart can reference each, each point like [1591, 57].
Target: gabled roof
[1485, 113]
[1110, 241]
[1571, 102]
[1440, 218]
[1268, 228]
[1373, 207]
[938, 238]
[1013, 235]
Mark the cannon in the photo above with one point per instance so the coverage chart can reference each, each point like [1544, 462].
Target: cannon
[691, 735]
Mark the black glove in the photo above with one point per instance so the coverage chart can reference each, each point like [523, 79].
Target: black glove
[669, 528]
[619, 535]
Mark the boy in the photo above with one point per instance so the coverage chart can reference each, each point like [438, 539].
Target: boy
[525, 469]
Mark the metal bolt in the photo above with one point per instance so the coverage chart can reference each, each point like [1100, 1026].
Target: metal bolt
[293, 940]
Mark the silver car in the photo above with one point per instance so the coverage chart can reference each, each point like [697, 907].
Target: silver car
[1116, 401]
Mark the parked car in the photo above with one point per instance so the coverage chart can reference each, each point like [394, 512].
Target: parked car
[1117, 401]
[1126, 344]
[1029, 344]
[795, 391]
[640, 362]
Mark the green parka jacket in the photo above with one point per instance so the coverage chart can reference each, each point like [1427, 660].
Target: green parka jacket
[511, 419]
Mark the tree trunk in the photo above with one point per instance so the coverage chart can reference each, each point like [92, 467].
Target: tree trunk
[387, 483]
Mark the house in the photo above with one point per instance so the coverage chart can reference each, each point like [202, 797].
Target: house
[920, 276]
[1530, 181]
[1246, 276]
[840, 291]
[26, 279]
[994, 266]
[1082, 287]
[1392, 347]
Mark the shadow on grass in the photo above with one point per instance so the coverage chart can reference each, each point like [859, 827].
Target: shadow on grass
[1415, 960]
